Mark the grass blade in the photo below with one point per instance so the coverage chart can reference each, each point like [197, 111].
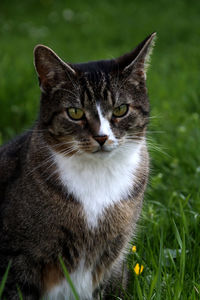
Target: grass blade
[139, 290]
[158, 285]
[3, 282]
[152, 287]
[67, 276]
[182, 260]
[19, 293]
[177, 235]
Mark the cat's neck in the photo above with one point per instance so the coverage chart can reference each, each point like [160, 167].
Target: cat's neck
[100, 181]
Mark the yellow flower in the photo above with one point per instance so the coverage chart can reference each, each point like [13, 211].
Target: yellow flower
[138, 269]
[134, 248]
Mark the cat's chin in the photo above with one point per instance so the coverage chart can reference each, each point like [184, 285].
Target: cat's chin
[103, 150]
[101, 154]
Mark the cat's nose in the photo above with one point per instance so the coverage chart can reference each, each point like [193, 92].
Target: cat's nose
[101, 139]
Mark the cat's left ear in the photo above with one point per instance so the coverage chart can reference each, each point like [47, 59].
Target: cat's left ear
[50, 68]
[134, 65]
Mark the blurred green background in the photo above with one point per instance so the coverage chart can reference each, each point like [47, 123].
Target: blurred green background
[168, 242]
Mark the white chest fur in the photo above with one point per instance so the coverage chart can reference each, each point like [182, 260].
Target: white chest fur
[99, 180]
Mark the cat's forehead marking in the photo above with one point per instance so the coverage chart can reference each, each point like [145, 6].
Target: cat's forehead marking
[96, 81]
[105, 125]
[96, 89]
[87, 91]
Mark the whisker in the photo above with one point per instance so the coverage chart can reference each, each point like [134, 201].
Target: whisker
[52, 174]
[64, 143]
[46, 161]
[68, 151]
[56, 145]
[153, 131]
[155, 117]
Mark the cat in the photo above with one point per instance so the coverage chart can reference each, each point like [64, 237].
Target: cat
[73, 185]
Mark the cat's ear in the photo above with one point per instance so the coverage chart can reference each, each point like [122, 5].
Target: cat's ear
[50, 68]
[134, 65]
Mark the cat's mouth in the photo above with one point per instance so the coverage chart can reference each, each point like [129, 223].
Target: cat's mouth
[107, 147]
[103, 149]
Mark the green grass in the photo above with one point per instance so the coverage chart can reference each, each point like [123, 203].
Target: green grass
[168, 240]
[68, 278]
[3, 281]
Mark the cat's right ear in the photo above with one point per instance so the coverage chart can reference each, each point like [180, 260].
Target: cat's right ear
[50, 68]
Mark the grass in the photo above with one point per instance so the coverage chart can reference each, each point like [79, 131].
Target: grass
[3, 281]
[68, 278]
[168, 239]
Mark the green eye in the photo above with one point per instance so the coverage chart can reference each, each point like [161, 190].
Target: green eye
[75, 113]
[120, 111]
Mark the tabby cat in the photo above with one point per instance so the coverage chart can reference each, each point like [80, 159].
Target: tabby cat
[72, 186]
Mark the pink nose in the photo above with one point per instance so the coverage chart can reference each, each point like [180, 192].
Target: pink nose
[101, 139]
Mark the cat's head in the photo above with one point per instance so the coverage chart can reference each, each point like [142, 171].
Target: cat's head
[94, 107]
